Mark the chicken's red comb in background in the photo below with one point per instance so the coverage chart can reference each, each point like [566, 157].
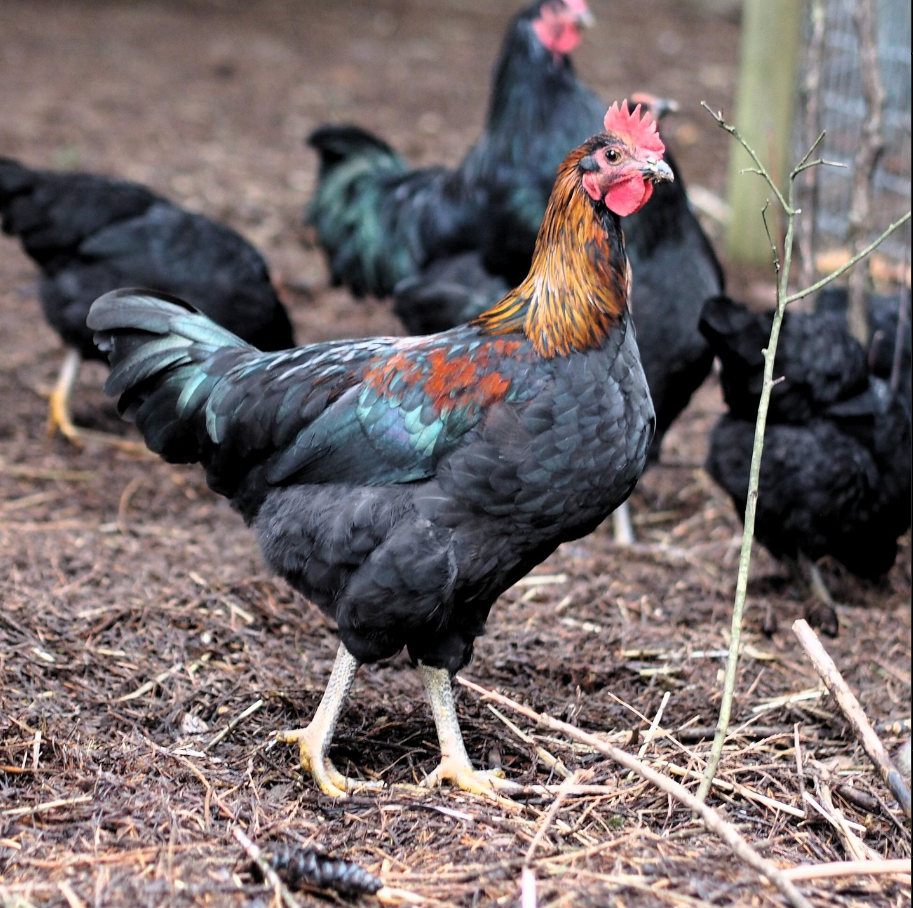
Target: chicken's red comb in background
[640, 132]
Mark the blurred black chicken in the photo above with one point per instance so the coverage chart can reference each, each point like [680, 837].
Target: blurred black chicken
[89, 234]
[402, 484]
[835, 471]
[380, 222]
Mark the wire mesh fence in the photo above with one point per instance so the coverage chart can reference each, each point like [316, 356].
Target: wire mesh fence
[832, 100]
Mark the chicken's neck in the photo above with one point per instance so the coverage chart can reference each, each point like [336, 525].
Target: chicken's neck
[578, 283]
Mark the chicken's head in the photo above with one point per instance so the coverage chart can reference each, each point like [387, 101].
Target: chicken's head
[559, 24]
[625, 161]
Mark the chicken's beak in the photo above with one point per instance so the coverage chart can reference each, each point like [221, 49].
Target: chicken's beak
[585, 19]
[657, 171]
[658, 107]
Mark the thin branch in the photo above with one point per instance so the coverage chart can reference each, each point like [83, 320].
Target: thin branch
[847, 265]
[782, 264]
[761, 169]
[710, 818]
[853, 712]
[900, 866]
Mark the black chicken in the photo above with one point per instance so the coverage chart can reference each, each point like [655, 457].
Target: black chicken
[89, 234]
[819, 361]
[402, 484]
[835, 472]
[380, 222]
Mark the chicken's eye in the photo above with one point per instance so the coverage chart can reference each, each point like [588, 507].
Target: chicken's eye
[613, 156]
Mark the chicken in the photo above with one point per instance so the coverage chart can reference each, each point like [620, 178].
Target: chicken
[835, 471]
[402, 484]
[380, 222]
[89, 234]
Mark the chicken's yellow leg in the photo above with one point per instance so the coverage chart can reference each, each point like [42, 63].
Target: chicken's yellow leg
[61, 420]
[59, 417]
[455, 765]
[314, 740]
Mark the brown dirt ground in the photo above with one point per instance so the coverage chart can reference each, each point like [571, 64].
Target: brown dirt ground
[137, 619]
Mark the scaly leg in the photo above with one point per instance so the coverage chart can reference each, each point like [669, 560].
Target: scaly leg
[455, 766]
[823, 613]
[621, 520]
[59, 417]
[314, 740]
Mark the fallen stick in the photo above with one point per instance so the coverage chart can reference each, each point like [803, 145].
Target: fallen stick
[900, 866]
[711, 819]
[853, 713]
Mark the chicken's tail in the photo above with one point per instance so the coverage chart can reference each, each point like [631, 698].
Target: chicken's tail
[337, 145]
[350, 210]
[165, 357]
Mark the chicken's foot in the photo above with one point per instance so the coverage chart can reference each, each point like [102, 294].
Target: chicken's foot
[455, 766]
[314, 740]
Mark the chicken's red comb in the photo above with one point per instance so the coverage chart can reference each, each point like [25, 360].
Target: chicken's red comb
[640, 132]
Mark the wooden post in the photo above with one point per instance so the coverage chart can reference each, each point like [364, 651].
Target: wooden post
[764, 107]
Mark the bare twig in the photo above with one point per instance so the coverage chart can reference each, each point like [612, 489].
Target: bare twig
[564, 790]
[47, 805]
[899, 866]
[254, 707]
[852, 711]
[837, 272]
[711, 819]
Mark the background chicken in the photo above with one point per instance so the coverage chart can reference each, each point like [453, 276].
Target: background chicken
[402, 484]
[89, 234]
[835, 472]
[380, 222]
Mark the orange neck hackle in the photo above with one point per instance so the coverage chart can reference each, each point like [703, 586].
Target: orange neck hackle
[577, 286]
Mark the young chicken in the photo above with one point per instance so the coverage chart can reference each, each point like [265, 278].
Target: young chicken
[89, 234]
[402, 484]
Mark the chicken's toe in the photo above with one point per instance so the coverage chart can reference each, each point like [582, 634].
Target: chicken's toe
[487, 784]
[328, 778]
